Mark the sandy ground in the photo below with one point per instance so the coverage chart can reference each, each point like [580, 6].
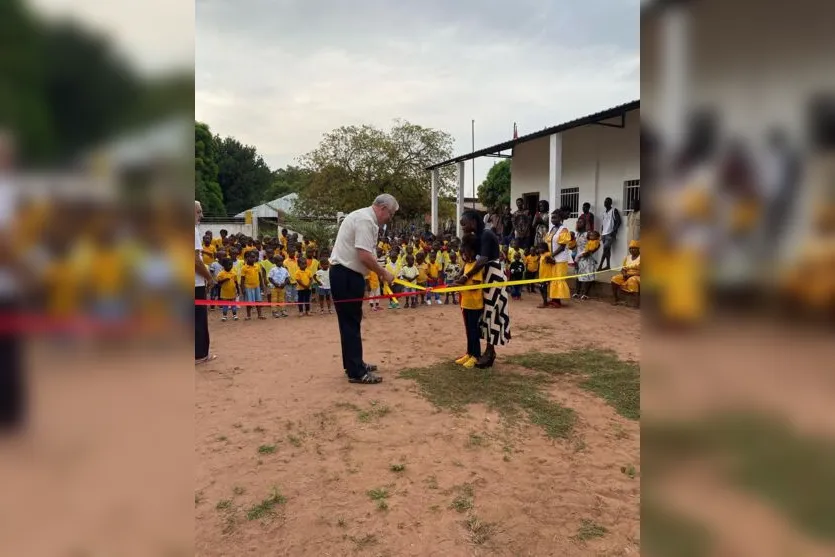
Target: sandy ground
[281, 383]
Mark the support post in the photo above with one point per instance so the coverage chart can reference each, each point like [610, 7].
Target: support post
[459, 205]
[435, 178]
[675, 73]
[554, 170]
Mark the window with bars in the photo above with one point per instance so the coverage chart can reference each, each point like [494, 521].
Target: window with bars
[631, 195]
[570, 197]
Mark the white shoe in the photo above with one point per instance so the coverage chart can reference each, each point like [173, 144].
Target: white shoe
[439, 302]
[428, 302]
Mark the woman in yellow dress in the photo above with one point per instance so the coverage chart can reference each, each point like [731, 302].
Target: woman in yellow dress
[558, 258]
[629, 279]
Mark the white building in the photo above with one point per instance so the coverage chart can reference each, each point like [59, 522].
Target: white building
[584, 160]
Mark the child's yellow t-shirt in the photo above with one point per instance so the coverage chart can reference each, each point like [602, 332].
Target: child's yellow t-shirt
[217, 243]
[251, 276]
[472, 299]
[511, 254]
[532, 263]
[313, 265]
[292, 266]
[423, 273]
[267, 265]
[394, 267]
[208, 259]
[373, 281]
[304, 277]
[592, 245]
[108, 272]
[433, 270]
[228, 289]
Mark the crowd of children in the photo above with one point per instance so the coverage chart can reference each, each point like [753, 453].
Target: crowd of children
[280, 271]
[285, 270]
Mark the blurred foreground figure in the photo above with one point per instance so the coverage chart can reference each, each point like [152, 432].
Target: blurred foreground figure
[12, 393]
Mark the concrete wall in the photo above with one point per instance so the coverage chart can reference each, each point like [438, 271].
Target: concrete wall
[595, 159]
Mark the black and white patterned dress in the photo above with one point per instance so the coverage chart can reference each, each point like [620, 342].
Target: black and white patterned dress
[495, 321]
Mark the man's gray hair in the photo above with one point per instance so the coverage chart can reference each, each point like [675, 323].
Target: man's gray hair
[387, 200]
[197, 204]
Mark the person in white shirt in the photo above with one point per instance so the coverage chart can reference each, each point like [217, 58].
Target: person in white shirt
[609, 233]
[202, 280]
[354, 255]
[278, 279]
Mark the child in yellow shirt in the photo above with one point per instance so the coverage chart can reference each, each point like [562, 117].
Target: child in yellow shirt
[227, 280]
[531, 267]
[433, 272]
[252, 283]
[423, 275]
[472, 306]
[304, 280]
[373, 289]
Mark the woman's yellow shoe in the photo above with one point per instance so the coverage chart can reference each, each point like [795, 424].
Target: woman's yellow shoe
[463, 359]
[471, 362]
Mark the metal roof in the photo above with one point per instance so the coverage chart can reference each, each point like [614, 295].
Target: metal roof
[598, 117]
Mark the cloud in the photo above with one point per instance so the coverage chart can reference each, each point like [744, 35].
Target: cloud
[280, 74]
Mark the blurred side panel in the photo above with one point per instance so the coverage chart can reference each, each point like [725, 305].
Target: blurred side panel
[738, 381]
[96, 225]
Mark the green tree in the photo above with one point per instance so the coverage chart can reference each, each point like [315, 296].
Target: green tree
[354, 164]
[207, 189]
[291, 179]
[243, 175]
[494, 191]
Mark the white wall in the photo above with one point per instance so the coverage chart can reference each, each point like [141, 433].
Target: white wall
[596, 159]
[231, 227]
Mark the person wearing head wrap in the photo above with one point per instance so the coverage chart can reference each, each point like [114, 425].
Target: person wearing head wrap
[629, 279]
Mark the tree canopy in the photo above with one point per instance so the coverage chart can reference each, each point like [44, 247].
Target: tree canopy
[494, 191]
[65, 89]
[207, 189]
[354, 164]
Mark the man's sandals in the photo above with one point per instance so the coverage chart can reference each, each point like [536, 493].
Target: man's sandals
[370, 378]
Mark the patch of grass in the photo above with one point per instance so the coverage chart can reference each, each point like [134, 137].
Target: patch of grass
[397, 468]
[347, 406]
[616, 381]
[382, 505]
[223, 504]
[375, 411]
[237, 490]
[266, 449]
[579, 445]
[589, 530]
[266, 508]
[432, 482]
[378, 494]
[763, 455]
[511, 395]
[476, 440]
[664, 532]
[294, 440]
[464, 500]
[365, 541]
[629, 470]
[480, 532]
[340, 521]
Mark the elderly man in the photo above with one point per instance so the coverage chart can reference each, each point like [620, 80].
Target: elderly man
[202, 281]
[354, 255]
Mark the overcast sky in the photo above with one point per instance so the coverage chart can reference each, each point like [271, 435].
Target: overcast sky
[278, 74]
[155, 36]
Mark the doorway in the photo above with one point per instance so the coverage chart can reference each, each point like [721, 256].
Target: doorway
[531, 201]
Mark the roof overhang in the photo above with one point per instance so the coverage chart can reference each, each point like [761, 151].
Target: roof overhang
[598, 118]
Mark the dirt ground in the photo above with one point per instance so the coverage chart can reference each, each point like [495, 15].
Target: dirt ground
[275, 412]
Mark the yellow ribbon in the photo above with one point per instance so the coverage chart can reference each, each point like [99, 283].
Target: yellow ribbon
[511, 282]
[408, 284]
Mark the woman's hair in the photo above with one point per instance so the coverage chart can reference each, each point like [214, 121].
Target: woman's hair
[470, 214]
[469, 243]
